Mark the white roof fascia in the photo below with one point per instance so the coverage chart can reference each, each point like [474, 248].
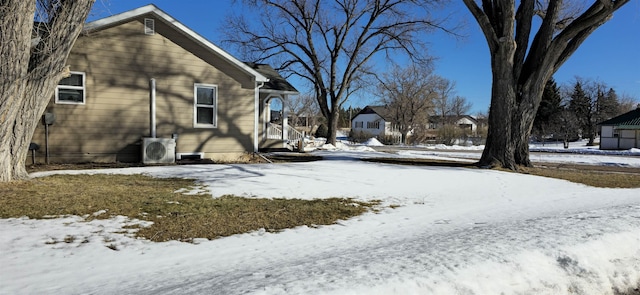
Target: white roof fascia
[98, 24]
[279, 91]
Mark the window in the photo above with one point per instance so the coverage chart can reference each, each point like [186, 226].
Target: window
[71, 90]
[373, 125]
[205, 106]
[358, 124]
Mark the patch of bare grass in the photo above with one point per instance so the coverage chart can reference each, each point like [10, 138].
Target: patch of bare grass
[606, 179]
[175, 216]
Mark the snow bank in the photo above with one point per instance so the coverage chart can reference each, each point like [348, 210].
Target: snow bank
[372, 142]
[343, 147]
[456, 231]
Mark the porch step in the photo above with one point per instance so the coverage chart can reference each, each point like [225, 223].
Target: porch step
[273, 150]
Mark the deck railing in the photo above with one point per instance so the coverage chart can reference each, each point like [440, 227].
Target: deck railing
[274, 131]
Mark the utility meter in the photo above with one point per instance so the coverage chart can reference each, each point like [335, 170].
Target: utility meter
[49, 118]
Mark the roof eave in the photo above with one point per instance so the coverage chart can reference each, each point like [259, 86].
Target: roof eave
[628, 127]
[262, 90]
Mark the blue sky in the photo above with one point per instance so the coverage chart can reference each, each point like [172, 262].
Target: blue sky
[610, 55]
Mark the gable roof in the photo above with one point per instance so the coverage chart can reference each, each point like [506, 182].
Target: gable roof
[151, 9]
[452, 118]
[381, 111]
[276, 82]
[629, 119]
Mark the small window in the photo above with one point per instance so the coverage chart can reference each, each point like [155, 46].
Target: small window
[205, 106]
[373, 125]
[71, 90]
[149, 26]
[359, 124]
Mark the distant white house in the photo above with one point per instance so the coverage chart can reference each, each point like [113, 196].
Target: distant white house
[374, 120]
[621, 132]
[464, 122]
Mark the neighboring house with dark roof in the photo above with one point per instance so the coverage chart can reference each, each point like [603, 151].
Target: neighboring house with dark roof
[144, 87]
[374, 120]
[621, 132]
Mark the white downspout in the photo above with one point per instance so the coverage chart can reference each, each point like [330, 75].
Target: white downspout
[152, 107]
[256, 117]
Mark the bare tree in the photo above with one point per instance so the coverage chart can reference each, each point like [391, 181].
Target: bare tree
[627, 103]
[445, 91]
[522, 64]
[302, 107]
[331, 43]
[35, 40]
[408, 96]
[460, 106]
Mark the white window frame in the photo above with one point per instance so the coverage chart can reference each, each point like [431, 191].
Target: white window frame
[83, 88]
[214, 106]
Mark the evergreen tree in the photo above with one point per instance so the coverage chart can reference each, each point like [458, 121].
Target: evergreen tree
[580, 106]
[547, 119]
[608, 105]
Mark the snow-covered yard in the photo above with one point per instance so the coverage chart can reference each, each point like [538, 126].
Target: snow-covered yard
[456, 231]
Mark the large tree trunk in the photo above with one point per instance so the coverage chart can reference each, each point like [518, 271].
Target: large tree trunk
[522, 65]
[528, 103]
[499, 148]
[29, 72]
[16, 23]
[332, 124]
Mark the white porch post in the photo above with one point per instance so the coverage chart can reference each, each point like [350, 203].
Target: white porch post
[285, 118]
[267, 118]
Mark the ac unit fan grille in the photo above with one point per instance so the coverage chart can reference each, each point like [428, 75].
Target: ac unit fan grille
[155, 151]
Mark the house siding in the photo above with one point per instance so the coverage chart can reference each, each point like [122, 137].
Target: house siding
[369, 118]
[607, 140]
[625, 139]
[118, 62]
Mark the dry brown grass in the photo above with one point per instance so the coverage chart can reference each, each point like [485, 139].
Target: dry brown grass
[590, 177]
[175, 216]
[596, 176]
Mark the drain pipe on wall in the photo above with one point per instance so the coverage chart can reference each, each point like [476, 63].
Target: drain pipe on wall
[152, 107]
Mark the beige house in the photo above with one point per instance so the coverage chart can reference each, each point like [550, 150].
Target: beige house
[144, 87]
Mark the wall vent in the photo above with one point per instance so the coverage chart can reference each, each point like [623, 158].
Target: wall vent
[149, 26]
[189, 156]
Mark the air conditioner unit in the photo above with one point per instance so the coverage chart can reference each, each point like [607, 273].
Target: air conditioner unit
[158, 150]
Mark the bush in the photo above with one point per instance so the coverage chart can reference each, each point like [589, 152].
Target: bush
[448, 135]
[359, 136]
[389, 139]
[322, 131]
